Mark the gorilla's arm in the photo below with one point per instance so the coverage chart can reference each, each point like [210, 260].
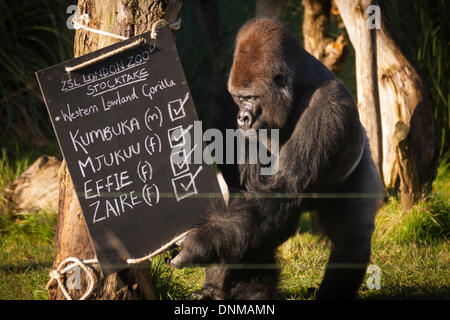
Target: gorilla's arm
[327, 141]
[324, 145]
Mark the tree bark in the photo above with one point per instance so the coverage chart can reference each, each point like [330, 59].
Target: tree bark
[405, 98]
[404, 104]
[316, 39]
[126, 18]
[409, 179]
[364, 42]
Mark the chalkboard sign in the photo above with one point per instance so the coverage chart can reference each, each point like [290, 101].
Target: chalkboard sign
[121, 123]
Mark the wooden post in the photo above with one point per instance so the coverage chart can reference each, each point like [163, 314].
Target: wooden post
[404, 98]
[409, 179]
[403, 103]
[364, 41]
[126, 18]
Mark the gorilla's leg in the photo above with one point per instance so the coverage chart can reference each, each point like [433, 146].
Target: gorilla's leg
[240, 282]
[253, 284]
[213, 289]
[241, 239]
[349, 256]
[349, 223]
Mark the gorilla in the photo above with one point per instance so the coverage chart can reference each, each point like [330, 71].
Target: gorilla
[323, 151]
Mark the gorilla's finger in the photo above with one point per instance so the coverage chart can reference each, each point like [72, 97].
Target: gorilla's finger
[178, 261]
[180, 242]
[172, 254]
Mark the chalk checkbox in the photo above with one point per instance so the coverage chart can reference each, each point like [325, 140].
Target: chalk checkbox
[176, 110]
[176, 137]
[184, 186]
[178, 161]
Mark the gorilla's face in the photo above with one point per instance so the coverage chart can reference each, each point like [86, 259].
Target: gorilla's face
[260, 82]
[249, 111]
[266, 104]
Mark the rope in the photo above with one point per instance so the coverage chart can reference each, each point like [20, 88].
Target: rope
[160, 250]
[223, 188]
[106, 55]
[78, 24]
[60, 271]
[84, 18]
[157, 25]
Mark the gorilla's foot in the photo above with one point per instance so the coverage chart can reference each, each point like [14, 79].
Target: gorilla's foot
[207, 293]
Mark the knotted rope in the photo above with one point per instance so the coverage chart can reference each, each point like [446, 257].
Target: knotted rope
[58, 275]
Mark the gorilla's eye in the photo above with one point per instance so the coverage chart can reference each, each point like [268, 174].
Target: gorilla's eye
[280, 80]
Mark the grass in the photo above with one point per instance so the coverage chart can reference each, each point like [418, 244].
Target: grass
[411, 249]
[26, 255]
[26, 241]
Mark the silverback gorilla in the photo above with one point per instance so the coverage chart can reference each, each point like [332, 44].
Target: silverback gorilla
[276, 84]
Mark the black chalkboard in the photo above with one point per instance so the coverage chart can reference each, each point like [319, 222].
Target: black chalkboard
[120, 124]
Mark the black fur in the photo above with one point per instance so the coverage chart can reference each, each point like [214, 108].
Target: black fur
[321, 141]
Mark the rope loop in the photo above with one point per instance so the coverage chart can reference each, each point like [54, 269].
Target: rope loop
[58, 274]
[160, 23]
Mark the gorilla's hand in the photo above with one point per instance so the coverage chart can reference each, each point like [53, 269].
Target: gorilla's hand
[223, 238]
[191, 252]
[178, 260]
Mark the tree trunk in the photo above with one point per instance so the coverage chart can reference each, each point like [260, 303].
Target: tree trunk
[405, 107]
[405, 98]
[126, 18]
[316, 39]
[364, 42]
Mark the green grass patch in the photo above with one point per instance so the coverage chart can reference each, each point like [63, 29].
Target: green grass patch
[26, 255]
[173, 284]
[426, 222]
[26, 241]
[408, 270]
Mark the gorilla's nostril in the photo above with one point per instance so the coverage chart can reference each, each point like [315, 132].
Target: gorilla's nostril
[245, 118]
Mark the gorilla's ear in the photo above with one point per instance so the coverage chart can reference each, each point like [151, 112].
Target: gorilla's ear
[280, 80]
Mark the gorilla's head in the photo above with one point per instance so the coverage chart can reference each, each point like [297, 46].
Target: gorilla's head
[262, 76]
